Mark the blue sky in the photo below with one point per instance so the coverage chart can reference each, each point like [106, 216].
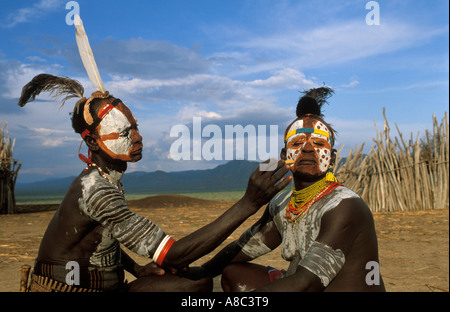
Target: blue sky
[228, 62]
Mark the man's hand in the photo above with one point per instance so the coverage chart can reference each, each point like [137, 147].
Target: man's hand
[264, 185]
[149, 269]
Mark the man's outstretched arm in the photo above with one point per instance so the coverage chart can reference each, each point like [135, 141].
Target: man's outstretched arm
[261, 238]
[262, 187]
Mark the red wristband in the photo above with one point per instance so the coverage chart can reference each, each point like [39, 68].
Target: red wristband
[162, 251]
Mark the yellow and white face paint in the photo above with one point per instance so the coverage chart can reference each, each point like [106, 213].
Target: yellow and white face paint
[309, 145]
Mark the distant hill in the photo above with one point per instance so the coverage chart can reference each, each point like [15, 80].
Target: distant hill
[232, 176]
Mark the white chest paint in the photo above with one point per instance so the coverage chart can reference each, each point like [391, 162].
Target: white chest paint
[298, 237]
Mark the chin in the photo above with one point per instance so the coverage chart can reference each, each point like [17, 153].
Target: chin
[306, 176]
[135, 158]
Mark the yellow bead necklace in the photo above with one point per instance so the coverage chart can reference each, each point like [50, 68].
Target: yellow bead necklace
[303, 199]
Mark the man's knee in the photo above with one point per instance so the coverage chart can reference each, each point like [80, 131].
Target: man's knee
[203, 285]
[231, 275]
[243, 277]
[227, 277]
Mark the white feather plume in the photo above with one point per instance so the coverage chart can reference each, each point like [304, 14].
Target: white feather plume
[86, 55]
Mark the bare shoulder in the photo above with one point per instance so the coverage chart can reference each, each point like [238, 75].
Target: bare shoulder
[351, 215]
[74, 190]
[350, 210]
[349, 205]
[71, 201]
[341, 226]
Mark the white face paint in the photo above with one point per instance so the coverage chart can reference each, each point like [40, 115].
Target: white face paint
[325, 158]
[292, 153]
[324, 153]
[321, 144]
[115, 122]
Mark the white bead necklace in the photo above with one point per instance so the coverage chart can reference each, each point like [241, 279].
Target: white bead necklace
[106, 178]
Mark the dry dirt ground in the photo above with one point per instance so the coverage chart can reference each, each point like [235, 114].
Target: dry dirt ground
[413, 246]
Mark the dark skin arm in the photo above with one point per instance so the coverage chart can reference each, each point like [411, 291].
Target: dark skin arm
[137, 270]
[262, 187]
[128, 263]
[232, 253]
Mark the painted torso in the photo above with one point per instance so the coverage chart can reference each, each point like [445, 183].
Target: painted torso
[297, 237]
[89, 227]
[102, 202]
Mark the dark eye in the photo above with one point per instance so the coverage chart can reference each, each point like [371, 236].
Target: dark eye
[125, 132]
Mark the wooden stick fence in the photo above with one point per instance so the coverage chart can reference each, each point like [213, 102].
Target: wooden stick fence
[9, 168]
[401, 176]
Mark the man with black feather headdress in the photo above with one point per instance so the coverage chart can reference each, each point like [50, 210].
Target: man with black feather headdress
[325, 230]
[94, 220]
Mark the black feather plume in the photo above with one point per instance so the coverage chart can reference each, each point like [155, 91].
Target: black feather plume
[57, 86]
[312, 101]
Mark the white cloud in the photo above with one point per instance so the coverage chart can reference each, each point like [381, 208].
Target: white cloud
[212, 89]
[351, 84]
[46, 131]
[27, 14]
[56, 141]
[40, 171]
[287, 78]
[15, 75]
[337, 43]
[147, 59]
[36, 59]
[52, 137]
[359, 131]
[187, 112]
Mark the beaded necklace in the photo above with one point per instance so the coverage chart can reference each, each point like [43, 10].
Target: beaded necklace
[120, 187]
[303, 199]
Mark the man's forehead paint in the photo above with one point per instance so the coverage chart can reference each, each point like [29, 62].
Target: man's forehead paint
[107, 105]
[318, 129]
[117, 118]
[127, 112]
[114, 122]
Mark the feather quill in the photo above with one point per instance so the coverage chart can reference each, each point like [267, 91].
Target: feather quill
[86, 55]
[57, 86]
